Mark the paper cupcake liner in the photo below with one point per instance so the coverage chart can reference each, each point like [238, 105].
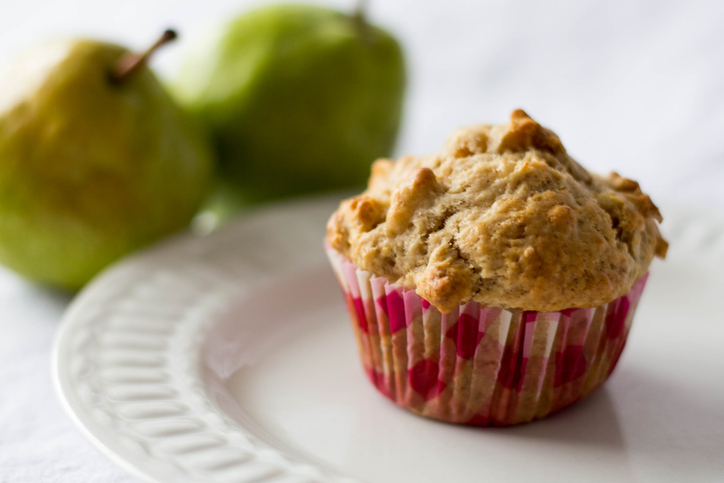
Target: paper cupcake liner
[480, 365]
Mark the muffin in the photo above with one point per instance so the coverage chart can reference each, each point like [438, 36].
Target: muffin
[494, 282]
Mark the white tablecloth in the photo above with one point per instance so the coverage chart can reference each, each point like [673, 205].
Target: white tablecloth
[634, 86]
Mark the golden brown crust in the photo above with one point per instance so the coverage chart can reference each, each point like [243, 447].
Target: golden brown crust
[503, 216]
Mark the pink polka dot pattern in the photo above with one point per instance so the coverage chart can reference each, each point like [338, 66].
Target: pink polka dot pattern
[481, 365]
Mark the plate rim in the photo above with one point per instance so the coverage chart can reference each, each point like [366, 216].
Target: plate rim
[156, 254]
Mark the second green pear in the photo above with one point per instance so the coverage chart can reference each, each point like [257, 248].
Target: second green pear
[298, 99]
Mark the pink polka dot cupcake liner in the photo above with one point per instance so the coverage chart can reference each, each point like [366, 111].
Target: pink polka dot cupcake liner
[481, 366]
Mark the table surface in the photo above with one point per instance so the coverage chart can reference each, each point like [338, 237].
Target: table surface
[631, 86]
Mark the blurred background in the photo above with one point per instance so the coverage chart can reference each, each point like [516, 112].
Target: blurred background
[633, 86]
[629, 85]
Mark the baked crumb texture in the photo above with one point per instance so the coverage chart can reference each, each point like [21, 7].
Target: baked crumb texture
[502, 216]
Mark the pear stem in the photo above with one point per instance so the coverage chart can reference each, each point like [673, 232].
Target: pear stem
[359, 16]
[132, 62]
[359, 10]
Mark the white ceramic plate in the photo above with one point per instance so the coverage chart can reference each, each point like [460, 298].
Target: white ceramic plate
[229, 358]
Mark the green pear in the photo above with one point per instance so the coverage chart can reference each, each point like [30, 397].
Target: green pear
[297, 99]
[96, 161]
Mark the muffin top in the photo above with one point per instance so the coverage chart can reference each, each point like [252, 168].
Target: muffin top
[502, 216]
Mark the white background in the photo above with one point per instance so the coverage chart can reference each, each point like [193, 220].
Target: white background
[634, 86]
